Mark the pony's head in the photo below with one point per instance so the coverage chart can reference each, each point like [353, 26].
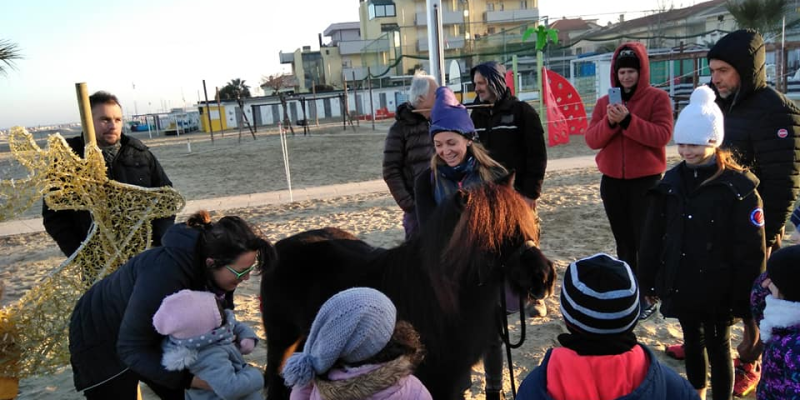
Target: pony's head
[493, 235]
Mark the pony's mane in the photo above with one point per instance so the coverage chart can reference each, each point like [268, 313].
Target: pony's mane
[493, 217]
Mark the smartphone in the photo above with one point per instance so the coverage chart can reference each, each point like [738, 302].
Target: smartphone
[614, 96]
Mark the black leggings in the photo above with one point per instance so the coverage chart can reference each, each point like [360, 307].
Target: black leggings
[626, 205]
[124, 387]
[714, 339]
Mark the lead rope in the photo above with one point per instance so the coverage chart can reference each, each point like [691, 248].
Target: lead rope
[504, 335]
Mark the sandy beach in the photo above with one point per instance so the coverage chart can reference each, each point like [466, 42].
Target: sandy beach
[571, 211]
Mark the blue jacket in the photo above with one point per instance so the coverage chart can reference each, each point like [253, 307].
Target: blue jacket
[660, 383]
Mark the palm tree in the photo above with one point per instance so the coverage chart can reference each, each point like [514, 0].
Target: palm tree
[762, 15]
[8, 53]
[235, 89]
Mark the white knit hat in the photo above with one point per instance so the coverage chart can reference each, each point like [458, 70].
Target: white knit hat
[701, 122]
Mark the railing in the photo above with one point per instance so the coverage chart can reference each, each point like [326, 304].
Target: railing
[512, 15]
[448, 18]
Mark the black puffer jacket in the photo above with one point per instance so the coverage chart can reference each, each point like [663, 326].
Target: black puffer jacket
[407, 152]
[135, 165]
[762, 127]
[513, 134]
[111, 328]
[703, 244]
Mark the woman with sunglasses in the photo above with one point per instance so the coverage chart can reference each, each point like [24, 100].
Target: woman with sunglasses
[112, 341]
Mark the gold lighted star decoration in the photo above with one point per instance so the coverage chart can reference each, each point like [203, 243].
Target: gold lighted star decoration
[33, 330]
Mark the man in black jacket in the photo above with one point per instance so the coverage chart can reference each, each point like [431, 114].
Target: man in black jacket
[510, 129]
[408, 149]
[512, 132]
[762, 128]
[128, 160]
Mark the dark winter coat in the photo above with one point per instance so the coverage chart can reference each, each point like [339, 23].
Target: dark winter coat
[135, 165]
[703, 244]
[636, 147]
[407, 152]
[513, 134]
[660, 383]
[780, 377]
[762, 127]
[111, 328]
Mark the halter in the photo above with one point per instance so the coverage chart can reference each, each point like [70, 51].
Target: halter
[503, 320]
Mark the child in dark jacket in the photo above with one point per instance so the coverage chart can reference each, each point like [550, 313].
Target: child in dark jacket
[600, 357]
[704, 243]
[209, 342]
[357, 350]
[779, 316]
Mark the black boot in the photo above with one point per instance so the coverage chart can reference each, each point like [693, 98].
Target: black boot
[494, 395]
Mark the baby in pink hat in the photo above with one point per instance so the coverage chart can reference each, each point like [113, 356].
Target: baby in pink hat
[209, 342]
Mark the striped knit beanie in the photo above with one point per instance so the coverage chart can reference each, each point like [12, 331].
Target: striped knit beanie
[600, 296]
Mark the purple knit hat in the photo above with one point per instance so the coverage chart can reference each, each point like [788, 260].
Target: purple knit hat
[448, 115]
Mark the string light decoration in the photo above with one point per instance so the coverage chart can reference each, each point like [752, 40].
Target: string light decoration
[33, 330]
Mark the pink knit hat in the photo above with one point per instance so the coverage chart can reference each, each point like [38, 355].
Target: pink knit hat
[187, 314]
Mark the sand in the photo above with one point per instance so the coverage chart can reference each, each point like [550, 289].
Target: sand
[573, 225]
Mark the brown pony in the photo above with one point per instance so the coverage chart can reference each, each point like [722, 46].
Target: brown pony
[447, 282]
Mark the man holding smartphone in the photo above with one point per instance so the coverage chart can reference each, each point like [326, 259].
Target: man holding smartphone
[631, 127]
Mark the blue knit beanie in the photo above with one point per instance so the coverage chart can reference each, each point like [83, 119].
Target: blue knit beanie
[448, 115]
[351, 326]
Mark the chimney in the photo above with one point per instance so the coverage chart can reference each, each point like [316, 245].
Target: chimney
[622, 18]
[319, 35]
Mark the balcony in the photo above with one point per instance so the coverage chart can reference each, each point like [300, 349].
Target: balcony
[286, 58]
[450, 43]
[448, 18]
[351, 47]
[531, 14]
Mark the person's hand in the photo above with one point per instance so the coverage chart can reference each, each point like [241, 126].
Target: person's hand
[247, 345]
[765, 283]
[198, 383]
[616, 113]
[651, 299]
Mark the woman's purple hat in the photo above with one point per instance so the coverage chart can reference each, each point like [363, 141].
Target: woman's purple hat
[448, 115]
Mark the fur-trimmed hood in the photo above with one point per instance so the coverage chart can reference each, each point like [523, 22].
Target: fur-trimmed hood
[391, 380]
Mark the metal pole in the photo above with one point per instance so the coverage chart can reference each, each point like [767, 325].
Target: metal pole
[208, 112]
[314, 93]
[355, 96]
[221, 114]
[782, 86]
[371, 104]
[435, 55]
[86, 115]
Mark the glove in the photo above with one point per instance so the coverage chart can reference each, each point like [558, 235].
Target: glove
[247, 345]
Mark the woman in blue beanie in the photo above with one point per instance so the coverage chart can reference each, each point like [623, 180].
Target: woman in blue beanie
[357, 350]
[460, 161]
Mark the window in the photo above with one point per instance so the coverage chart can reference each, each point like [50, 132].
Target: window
[491, 30]
[489, 6]
[523, 4]
[382, 9]
[502, 6]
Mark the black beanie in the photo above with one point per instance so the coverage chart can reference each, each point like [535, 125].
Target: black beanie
[783, 268]
[626, 58]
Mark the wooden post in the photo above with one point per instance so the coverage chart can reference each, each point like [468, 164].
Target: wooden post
[371, 104]
[208, 112]
[87, 124]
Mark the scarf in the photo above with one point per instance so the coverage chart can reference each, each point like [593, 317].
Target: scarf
[778, 314]
[451, 179]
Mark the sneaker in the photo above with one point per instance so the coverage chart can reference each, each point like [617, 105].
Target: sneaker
[746, 377]
[647, 311]
[676, 351]
[536, 309]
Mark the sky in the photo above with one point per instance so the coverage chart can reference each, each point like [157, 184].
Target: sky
[154, 54]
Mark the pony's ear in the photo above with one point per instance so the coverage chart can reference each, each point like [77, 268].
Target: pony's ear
[461, 198]
[507, 180]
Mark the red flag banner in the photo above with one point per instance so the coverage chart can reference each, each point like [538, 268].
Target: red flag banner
[565, 112]
[510, 82]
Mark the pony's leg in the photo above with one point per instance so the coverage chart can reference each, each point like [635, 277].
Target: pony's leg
[279, 348]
